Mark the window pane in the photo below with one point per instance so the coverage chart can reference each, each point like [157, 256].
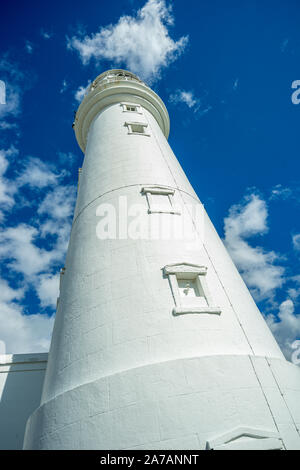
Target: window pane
[131, 108]
[188, 288]
[137, 128]
[160, 202]
[189, 292]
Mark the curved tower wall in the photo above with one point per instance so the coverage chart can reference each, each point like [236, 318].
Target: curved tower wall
[133, 344]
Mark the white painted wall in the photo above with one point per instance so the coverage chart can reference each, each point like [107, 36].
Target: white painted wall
[21, 381]
[115, 335]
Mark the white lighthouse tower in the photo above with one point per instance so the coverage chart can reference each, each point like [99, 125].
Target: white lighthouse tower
[157, 342]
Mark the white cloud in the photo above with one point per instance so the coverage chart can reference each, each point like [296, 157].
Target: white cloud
[2, 93]
[187, 97]
[12, 106]
[142, 42]
[286, 326]
[24, 252]
[29, 47]
[81, 92]
[7, 187]
[281, 192]
[7, 294]
[256, 265]
[47, 289]
[294, 292]
[58, 204]
[37, 174]
[258, 268]
[19, 249]
[22, 333]
[14, 81]
[46, 34]
[64, 86]
[296, 242]
[66, 159]
[7, 125]
[17, 245]
[236, 84]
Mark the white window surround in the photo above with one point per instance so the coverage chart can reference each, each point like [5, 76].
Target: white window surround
[202, 302]
[137, 107]
[151, 191]
[131, 126]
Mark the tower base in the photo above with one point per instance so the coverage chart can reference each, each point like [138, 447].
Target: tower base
[215, 402]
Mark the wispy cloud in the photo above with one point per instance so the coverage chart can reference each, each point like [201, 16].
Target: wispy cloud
[235, 84]
[16, 83]
[281, 192]
[46, 34]
[186, 97]
[142, 43]
[29, 47]
[198, 105]
[284, 44]
[59, 203]
[64, 86]
[7, 187]
[38, 174]
[296, 241]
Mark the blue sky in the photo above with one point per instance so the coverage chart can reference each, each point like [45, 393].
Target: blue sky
[225, 72]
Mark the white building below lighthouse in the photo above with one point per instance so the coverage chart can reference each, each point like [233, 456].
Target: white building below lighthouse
[157, 342]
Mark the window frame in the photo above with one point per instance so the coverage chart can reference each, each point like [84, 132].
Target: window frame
[138, 109]
[149, 191]
[142, 124]
[174, 272]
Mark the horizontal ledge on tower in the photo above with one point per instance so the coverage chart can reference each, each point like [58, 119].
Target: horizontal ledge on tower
[186, 310]
[162, 211]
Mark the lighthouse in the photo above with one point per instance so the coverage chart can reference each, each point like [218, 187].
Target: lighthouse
[157, 342]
